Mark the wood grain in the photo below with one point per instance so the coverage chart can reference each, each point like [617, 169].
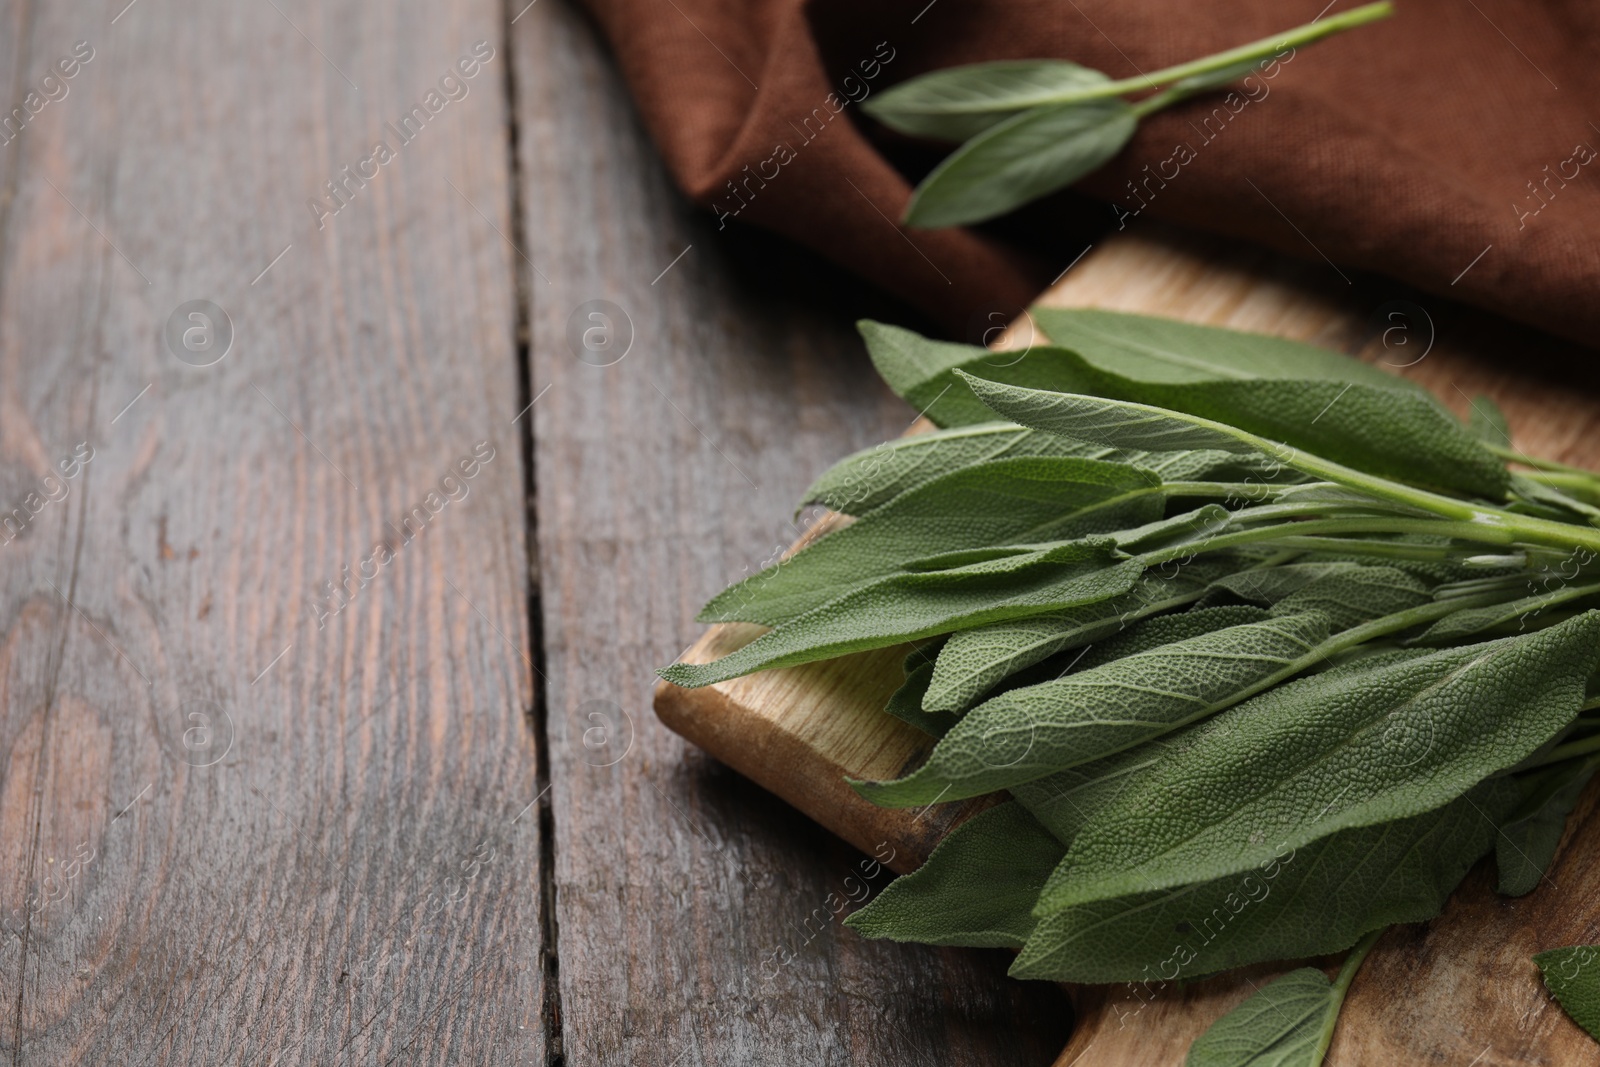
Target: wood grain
[228, 833]
[697, 915]
[1446, 992]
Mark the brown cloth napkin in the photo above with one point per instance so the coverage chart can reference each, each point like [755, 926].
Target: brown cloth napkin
[1451, 146]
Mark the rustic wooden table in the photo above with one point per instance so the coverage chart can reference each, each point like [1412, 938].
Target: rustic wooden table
[334, 564]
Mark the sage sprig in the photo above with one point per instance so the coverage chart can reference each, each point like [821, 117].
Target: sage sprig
[1265, 645]
[1033, 126]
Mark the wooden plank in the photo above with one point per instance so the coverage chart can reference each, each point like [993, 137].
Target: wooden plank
[237, 825]
[696, 914]
[1405, 1005]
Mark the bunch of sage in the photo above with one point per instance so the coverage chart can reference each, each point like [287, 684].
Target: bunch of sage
[1265, 645]
[1033, 126]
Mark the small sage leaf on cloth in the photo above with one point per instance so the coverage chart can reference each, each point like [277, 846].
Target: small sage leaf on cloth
[1021, 159]
[961, 102]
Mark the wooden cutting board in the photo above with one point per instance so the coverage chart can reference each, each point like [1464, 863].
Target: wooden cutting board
[1459, 990]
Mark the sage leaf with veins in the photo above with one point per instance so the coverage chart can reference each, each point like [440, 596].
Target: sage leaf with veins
[974, 661]
[867, 480]
[1025, 499]
[961, 102]
[1303, 902]
[905, 703]
[1356, 594]
[1286, 1023]
[1572, 975]
[1379, 740]
[906, 607]
[1382, 431]
[1156, 351]
[1021, 159]
[860, 483]
[977, 888]
[1029, 733]
[1271, 585]
[1528, 838]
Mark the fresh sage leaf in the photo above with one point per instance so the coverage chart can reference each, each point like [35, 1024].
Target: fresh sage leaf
[919, 370]
[1158, 351]
[907, 607]
[1026, 499]
[1528, 838]
[1282, 1024]
[977, 888]
[905, 703]
[1297, 903]
[1271, 585]
[1488, 423]
[1572, 975]
[872, 477]
[1524, 613]
[974, 661]
[1353, 595]
[1555, 504]
[1380, 431]
[1385, 739]
[961, 102]
[1032, 732]
[1021, 159]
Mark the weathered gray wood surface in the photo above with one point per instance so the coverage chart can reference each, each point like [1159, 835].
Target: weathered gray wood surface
[238, 826]
[682, 892]
[229, 834]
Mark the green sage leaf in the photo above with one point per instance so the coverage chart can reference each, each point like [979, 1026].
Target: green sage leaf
[973, 661]
[1380, 431]
[960, 102]
[1297, 903]
[1353, 595]
[906, 607]
[867, 480]
[1157, 351]
[919, 370]
[1572, 975]
[1025, 499]
[1379, 739]
[1032, 732]
[1270, 585]
[1488, 423]
[1280, 1025]
[1021, 159]
[976, 889]
[1528, 838]
[860, 483]
[905, 703]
